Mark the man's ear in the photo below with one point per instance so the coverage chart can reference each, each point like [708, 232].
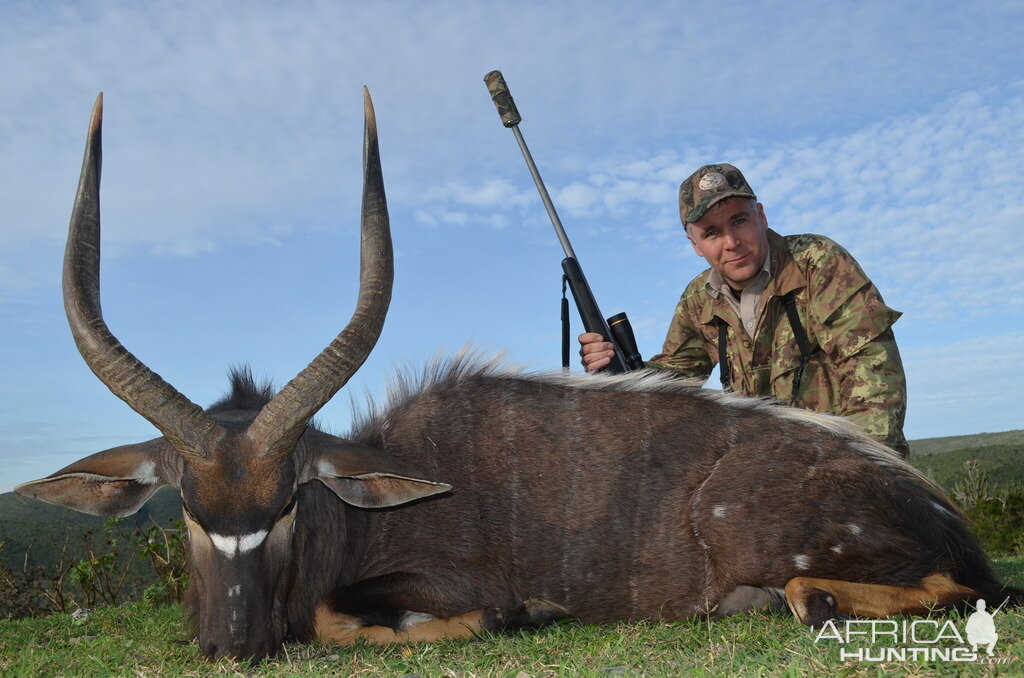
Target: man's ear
[764, 217]
[693, 241]
[368, 478]
[113, 483]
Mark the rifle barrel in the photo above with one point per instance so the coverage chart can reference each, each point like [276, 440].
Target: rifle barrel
[545, 198]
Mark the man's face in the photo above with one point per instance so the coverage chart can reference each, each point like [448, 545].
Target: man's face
[733, 238]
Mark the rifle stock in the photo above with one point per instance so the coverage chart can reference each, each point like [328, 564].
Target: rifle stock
[590, 314]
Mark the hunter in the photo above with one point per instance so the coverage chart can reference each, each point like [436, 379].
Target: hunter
[793, 317]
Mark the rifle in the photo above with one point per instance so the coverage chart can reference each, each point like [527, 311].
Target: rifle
[617, 328]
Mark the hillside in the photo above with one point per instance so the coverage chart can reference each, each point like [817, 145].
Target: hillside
[1004, 464]
[27, 525]
[949, 443]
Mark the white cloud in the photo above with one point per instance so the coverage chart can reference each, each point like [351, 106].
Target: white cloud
[251, 109]
[930, 204]
[492, 193]
[578, 198]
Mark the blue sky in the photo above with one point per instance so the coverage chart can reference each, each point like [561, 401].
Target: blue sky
[231, 182]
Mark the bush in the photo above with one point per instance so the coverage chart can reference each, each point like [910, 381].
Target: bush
[997, 515]
[20, 594]
[116, 566]
[999, 522]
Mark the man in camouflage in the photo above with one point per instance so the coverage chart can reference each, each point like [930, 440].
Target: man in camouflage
[853, 366]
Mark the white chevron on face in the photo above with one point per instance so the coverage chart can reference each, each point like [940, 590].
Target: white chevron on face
[231, 545]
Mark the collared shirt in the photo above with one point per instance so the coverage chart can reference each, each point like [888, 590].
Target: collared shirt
[855, 368]
[749, 303]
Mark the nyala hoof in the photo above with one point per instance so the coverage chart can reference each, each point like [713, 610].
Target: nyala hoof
[820, 607]
[533, 614]
[750, 599]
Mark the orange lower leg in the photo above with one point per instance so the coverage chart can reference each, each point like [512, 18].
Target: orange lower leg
[344, 629]
[874, 600]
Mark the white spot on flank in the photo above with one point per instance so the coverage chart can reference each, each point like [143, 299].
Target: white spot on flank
[801, 561]
[856, 529]
[229, 546]
[235, 590]
[838, 548]
[145, 474]
[718, 511]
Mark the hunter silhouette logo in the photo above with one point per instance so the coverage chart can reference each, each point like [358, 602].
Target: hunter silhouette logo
[877, 640]
[981, 628]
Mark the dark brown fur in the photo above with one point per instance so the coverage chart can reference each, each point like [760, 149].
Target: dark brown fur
[602, 496]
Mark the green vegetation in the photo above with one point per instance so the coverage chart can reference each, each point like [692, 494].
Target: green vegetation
[41, 530]
[987, 481]
[1004, 464]
[950, 443]
[143, 640]
[108, 567]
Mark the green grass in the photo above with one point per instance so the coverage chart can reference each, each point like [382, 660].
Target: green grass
[136, 640]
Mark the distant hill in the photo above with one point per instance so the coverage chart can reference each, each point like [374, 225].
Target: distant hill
[1004, 464]
[27, 525]
[934, 445]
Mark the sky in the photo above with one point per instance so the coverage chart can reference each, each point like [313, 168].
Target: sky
[231, 183]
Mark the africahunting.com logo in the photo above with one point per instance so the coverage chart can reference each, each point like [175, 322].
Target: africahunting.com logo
[888, 640]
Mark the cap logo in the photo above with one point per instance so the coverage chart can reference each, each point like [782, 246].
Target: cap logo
[711, 181]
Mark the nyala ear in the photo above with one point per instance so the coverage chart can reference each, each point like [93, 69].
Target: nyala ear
[367, 478]
[113, 483]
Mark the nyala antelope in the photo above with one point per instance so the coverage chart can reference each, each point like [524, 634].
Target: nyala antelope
[480, 498]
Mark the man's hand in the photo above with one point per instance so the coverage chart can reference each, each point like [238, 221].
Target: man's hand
[595, 351]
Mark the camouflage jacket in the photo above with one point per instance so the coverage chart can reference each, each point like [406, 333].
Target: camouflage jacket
[855, 368]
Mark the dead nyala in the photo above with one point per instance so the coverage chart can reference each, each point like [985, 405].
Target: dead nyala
[480, 498]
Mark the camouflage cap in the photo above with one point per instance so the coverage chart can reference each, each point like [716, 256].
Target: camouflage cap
[710, 185]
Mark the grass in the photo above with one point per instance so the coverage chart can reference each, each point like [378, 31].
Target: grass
[138, 640]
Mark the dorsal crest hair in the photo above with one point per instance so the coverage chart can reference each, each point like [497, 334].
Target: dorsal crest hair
[471, 363]
[245, 392]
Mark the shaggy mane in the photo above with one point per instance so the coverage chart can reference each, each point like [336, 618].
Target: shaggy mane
[245, 393]
[470, 363]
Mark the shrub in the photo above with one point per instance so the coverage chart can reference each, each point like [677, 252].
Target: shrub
[999, 522]
[997, 515]
[116, 566]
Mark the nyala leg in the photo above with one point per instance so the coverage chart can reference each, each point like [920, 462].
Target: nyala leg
[815, 601]
[411, 627]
